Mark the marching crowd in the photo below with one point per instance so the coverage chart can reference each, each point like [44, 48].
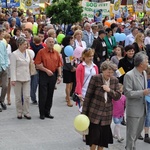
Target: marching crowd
[28, 41]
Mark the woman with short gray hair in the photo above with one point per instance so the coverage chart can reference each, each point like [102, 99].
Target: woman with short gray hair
[20, 78]
[98, 106]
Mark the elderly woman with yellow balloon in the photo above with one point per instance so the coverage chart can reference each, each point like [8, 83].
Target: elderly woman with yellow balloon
[97, 106]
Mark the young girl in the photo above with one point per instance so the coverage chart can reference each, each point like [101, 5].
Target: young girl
[119, 54]
[118, 113]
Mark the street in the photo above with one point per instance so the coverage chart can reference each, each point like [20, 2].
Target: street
[48, 134]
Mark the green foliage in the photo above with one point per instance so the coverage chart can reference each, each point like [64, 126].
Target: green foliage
[65, 11]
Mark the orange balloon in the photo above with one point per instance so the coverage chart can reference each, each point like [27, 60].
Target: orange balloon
[28, 25]
[119, 20]
[107, 23]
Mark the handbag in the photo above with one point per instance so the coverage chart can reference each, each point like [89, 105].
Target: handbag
[75, 96]
[32, 68]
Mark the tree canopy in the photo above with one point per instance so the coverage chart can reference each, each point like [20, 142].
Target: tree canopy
[65, 11]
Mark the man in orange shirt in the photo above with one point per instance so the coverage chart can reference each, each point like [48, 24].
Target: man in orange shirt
[49, 63]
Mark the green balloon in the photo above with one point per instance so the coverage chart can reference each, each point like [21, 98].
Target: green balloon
[60, 38]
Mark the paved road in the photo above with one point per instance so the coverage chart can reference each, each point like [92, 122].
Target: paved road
[56, 134]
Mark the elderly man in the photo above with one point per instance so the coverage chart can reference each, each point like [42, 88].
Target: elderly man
[49, 63]
[135, 89]
[88, 36]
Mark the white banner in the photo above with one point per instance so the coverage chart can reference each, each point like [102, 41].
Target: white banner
[116, 9]
[138, 7]
[147, 5]
[90, 8]
[31, 3]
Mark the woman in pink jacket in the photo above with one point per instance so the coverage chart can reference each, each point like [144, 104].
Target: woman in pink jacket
[84, 72]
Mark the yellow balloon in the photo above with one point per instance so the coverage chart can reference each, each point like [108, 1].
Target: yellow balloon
[81, 122]
[57, 47]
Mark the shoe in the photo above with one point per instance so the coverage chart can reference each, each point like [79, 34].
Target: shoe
[147, 140]
[123, 123]
[140, 137]
[3, 105]
[120, 139]
[19, 116]
[69, 104]
[9, 103]
[34, 102]
[27, 117]
[49, 116]
[0, 109]
[42, 117]
[115, 137]
[84, 139]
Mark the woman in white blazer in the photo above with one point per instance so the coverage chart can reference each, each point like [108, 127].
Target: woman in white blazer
[78, 42]
[20, 78]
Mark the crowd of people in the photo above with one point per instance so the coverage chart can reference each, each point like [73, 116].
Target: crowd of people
[26, 38]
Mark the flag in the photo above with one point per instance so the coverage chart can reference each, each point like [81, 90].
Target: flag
[120, 72]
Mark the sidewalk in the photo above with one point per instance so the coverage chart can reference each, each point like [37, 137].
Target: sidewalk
[55, 134]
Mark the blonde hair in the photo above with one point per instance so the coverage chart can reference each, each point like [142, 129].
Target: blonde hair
[51, 32]
[77, 32]
[87, 53]
[6, 36]
[138, 36]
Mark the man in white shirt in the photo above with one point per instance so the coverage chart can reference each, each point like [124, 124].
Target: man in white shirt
[131, 37]
[88, 36]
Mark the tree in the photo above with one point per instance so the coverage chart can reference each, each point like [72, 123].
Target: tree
[65, 11]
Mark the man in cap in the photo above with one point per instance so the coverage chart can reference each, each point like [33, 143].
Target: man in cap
[99, 45]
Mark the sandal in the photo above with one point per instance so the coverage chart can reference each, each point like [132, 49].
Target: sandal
[69, 105]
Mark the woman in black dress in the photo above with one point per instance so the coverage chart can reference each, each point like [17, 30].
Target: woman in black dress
[68, 69]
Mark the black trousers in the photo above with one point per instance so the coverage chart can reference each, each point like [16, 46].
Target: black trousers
[46, 91]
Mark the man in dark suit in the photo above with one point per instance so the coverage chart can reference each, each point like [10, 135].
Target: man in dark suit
[99, 45]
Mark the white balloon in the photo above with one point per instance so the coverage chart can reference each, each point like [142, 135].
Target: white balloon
[31, 52]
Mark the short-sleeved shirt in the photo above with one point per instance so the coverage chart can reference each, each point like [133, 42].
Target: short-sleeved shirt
[50, 60]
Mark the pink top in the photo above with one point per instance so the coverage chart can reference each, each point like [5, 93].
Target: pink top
[118, 107]
[80, 73]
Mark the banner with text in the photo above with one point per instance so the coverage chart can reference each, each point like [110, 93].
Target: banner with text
[10, 3]
[96, 11]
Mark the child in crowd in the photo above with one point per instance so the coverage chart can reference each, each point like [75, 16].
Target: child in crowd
[118, 113]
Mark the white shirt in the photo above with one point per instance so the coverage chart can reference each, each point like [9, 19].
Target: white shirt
[82, 42]
[129, 39]
[89, 72]
[147, 40]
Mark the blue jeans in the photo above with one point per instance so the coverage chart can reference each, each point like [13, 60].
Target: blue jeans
[34, 83]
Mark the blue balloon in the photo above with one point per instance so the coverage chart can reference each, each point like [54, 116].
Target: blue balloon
[122, 37]
[116, 35]
[68, 51]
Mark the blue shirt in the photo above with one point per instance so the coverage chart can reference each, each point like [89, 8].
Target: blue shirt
[17, 21]
[129, 39]
[3, 56]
